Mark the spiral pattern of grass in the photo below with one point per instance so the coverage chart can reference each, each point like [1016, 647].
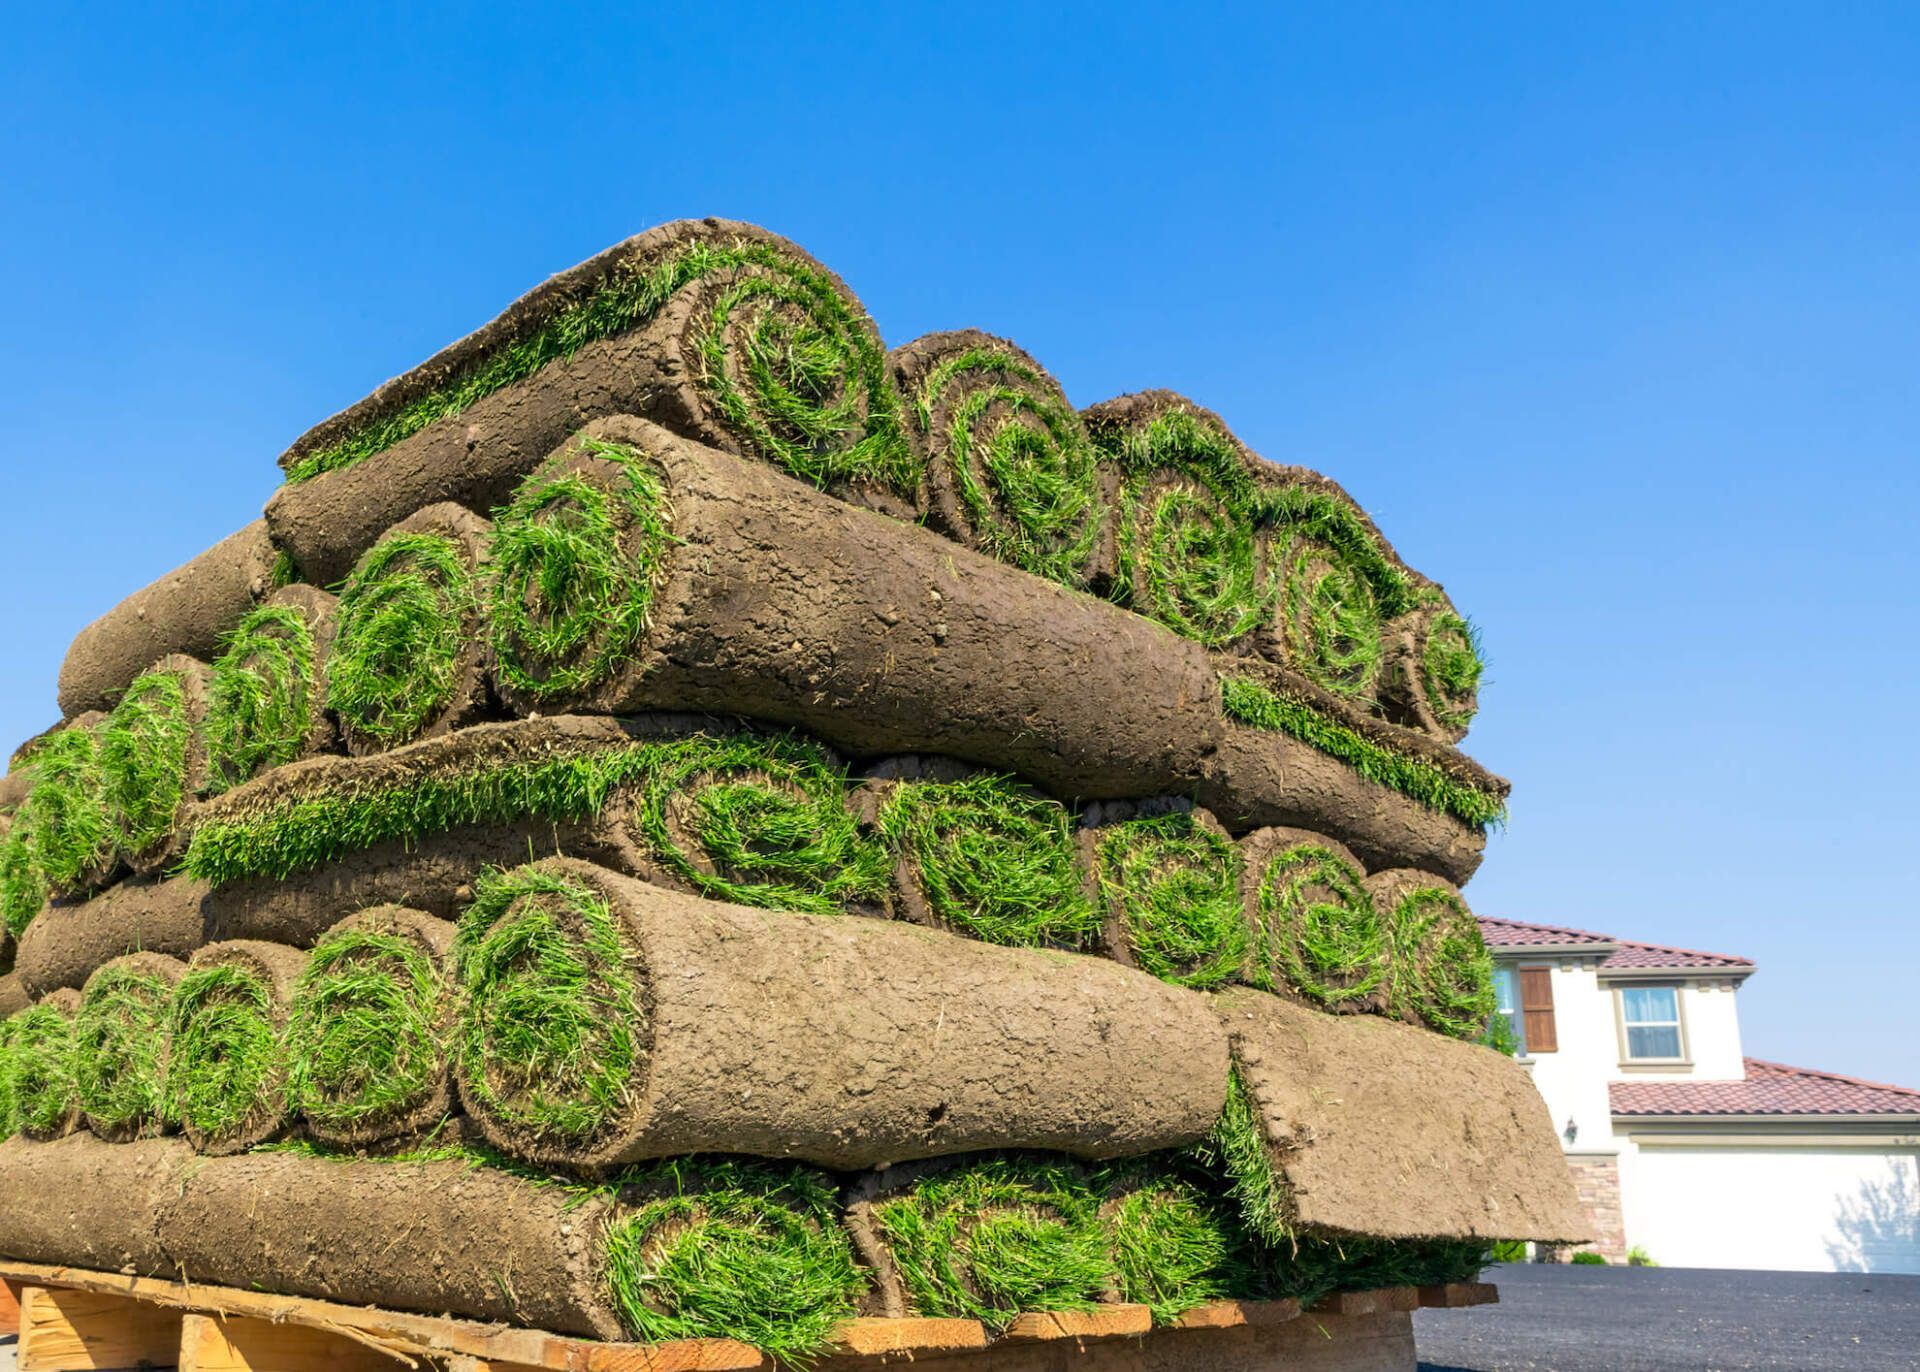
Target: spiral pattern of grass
[22, 889]
[1317, 932]
[119, 1037]
[1172, 1248]
[45, 1101]
[265, 690]
[1009, 462]
[761, 820]
[993, 860]
[148, 760]
[406, 615]
[1329, 620]
[1187, 532]
[1174, 885]
[367, 1035]
[1442, 972]
[574, 561]
[993, 1239]
[1450, 669]
[226, 1056]
[724, 1250]
[65, 821]
[550, 1033]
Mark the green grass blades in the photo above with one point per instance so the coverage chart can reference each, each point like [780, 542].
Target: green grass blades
[793, 366]
[226, 1057]
[761, 820]
[993, 860]
[1310, 1267]
[22, 889]
[65, 821]
[1317, 932]
[1237, 1153]
[1001, 435]
[992, 1239]
[367, 1034]
[550, 1032]
[40, 1049]
[1175, 886]
[1172, 1246]
[725, 1250]
[1443, 974]
[406, 615]
[1329, 621]
[1451, 665]
[1248, 702]
[145, 748]
[260, 707]
[1187, 529]
[9, 1108]
[119, 1034]
[574, 561]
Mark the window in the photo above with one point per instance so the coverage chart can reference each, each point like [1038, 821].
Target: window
[1507, 1028]
[1650, 1016]
[1523, 1010]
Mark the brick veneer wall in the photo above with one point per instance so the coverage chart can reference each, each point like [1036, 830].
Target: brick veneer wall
[1596, 1180]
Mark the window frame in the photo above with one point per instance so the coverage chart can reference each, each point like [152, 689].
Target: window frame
[1628, 1059]
[1507, 974]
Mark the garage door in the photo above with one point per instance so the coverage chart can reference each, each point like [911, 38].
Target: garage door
[1783, 1208]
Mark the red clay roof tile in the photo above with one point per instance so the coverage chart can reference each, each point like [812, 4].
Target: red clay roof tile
[1770, 1088]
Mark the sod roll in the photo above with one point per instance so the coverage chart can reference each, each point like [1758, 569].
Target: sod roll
[9, 1113]
[1442, 973]
[984, 856]
[185, 611]
[1168, 881]
[46, 1102]
[1356, 1125]
[226, 1048]
[1173, 1244]
[153, 759]
[706, 1249]
[717, 329]
[64, 946]
[605, 1020]
[1316, 933]
[1431, 678]
[61, 842]
[83, 1202]
[266, 703]
[119, 1046]
[406, 655]
[23, 891]
[1008, 467]
[367, 1037]
[438, 1237]
[13, 995]
[779, 603]
[1186, 522]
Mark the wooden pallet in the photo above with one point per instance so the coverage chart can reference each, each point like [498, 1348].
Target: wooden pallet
[74, 1320]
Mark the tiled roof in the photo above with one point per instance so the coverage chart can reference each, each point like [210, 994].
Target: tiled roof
[1513, 933]
[1770, 1088]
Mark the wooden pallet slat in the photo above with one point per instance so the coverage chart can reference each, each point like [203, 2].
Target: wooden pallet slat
[1107, 1322]
[1459, 1295]
[1238, 1315]
[76, 1331]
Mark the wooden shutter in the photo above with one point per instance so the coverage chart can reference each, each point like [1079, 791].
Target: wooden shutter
[1536, 1009]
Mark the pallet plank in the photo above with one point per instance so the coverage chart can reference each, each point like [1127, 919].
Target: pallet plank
[873, 1337]
[1238, 1315]
[1107, 1322]
[76, 1331]
[1459, 1295]
[213, 1343]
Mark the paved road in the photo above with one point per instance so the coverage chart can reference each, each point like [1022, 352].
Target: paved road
[1638, 1319]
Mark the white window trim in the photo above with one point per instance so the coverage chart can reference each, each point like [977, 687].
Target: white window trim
[1630, 1063]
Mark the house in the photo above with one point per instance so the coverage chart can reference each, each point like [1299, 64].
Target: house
[1682, 1146]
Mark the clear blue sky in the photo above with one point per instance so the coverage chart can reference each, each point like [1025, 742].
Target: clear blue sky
[1611, 315]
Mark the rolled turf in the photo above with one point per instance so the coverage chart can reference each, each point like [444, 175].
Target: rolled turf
[46, 1102]
[1173, 1244]
[604, 1020]
[987, 857]
[186, 611]
[1007, 463]
[367, 1036]
[119, 1046]
[1187, 518]
[717, 329]
[705, 1249]
[226, 1050]
[65, 828]
[266, 702]
[984, 1239]
[1317, 935]
[1169, 883]
[23, 891]
[406, 656]
[83, 1202]
[1442, 973]
[1431, 680]
[153, 759]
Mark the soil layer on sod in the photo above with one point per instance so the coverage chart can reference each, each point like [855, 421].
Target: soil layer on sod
[153, 759]
[83, 1202]
[267, 703]
[604, 1020]
[226, 1045]
[185, 611]
[119, 1046]
[68, 941]
[1431, 678]
[441, 1237]
[13, 995]
[367, 1038]
[718, 329]
[1007, 464]
[1355, 1125]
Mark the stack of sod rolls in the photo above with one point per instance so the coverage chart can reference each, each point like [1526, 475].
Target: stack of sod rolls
[743, 828]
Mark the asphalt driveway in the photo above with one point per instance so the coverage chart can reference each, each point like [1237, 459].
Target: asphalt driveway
[1639, 1319]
